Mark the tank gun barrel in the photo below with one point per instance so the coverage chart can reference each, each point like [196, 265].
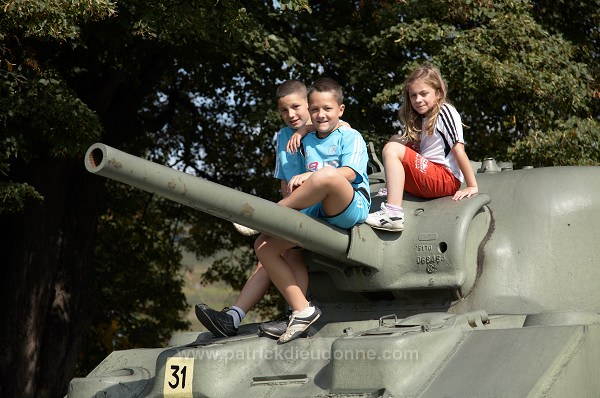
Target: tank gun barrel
[218, 200]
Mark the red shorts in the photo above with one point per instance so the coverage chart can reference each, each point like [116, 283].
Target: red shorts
[426, 179]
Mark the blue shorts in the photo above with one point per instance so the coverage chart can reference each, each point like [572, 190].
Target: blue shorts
[356, 212]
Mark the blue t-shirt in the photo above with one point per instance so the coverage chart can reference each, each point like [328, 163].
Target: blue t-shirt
[287, 165]
[343, 147]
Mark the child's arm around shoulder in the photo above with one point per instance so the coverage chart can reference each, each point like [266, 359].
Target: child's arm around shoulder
[465, 166]
[295, 140]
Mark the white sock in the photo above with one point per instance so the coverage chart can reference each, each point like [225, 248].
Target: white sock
[308, 311]
[238, 314]
[394, 210]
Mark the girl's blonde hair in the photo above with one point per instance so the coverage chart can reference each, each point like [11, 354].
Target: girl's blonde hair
[410, 118]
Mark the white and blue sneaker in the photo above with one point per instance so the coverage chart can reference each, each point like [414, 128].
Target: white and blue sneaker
[386, 220]
[245, 230]
[297, 326]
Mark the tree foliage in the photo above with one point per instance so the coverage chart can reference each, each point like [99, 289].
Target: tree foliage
[191, 85]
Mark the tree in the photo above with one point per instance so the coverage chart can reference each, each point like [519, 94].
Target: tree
[190, 84]
[44, 225]
[74, 73]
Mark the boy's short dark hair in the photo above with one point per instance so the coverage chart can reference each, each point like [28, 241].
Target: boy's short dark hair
[289, 87]
[327, 85]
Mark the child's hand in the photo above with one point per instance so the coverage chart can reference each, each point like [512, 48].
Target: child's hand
[296, 181]
[294, 143]
[465, 193]
[296, 138]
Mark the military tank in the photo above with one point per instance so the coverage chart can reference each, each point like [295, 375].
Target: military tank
[496, 295]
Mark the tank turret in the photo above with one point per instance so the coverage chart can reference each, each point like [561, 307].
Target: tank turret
[500, 288]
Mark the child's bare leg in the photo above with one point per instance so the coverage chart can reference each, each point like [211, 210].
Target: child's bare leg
[391, 215]
[269, 252]
[255, 288]
[326, 185]
[258, 283]
[393, 153]
[295, 260]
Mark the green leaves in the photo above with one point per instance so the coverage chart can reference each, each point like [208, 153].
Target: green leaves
[573, 142]
[43, 110]
[56, 19]
[295, 5]
[14, 195]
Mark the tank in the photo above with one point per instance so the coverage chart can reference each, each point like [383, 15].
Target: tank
[492, 296]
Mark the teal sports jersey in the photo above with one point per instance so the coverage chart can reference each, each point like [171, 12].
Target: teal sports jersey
[287, 164]
[343, 147]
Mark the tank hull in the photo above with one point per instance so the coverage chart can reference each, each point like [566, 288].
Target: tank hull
[429, 355]
[492, 296]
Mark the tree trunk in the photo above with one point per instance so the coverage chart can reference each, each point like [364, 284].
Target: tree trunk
[46, 252]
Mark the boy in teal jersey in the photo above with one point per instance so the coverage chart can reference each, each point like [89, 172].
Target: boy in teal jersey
[293, 109]
[335, 187]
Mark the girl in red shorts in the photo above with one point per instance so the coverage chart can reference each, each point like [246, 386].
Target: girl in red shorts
[428, 160]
